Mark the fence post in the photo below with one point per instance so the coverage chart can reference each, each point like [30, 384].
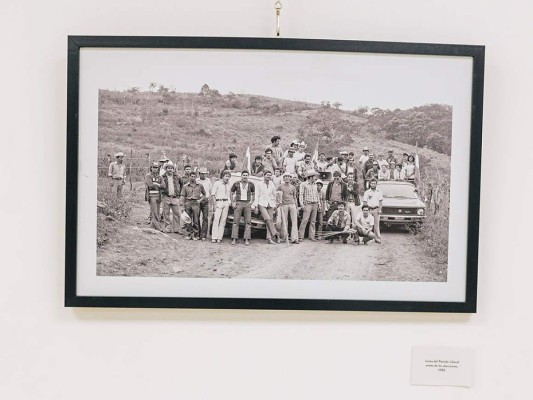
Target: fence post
[131, 160]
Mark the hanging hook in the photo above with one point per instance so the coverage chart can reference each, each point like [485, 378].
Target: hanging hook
[278, 6]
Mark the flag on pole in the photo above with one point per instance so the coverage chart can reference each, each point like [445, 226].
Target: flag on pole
[248, 161]
[417, 167]
[315, 153]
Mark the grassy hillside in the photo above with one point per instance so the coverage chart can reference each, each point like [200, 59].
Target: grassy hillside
[203, 129]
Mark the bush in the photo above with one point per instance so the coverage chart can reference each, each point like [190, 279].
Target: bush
[110, 211]
[434, 231]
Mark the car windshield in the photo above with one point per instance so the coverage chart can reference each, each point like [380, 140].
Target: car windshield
[399, 191]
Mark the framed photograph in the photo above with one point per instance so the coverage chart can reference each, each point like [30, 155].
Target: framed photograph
[264, 173]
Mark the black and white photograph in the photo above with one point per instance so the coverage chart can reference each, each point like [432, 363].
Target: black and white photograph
[277, 173]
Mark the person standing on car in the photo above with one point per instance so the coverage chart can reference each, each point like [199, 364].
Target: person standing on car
[372, 173]
[265, 195]
[353, 202]
[289, 163]
[289, 207]
[335, 193]
[369, 165]
[192, 195]
[364, 157]
[277, 151]
[257, 166]
[309, 200]
[364, 224]
[220, 195]
[269, 164]
[242, 197]
[304, 166]
[391, 159]
[230, 165]
[373, 198]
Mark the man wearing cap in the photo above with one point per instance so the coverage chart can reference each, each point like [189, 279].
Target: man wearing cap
[220, 195]
[373, 198]
[117, 173]
[269, 164]
[391, 159]
[289, 163]
[231, 164]
[368, 166]
[353, 203]
[192, 195]
[304, 166]
[277, 151]
[206, 204]
[170, 194]
[153, 182]
[265, 203]
[373, 173]
[309, 200]
[288, 207]
[242, 197]
[339, 221]
[322, 209]
[364, 157]
[335, 193]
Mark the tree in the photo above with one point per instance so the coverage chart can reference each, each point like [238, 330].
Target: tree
[152, 86]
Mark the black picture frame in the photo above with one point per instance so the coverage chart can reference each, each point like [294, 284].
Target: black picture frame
[76, 43]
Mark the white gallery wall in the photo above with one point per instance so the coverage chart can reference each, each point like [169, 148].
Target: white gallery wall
[51, 352]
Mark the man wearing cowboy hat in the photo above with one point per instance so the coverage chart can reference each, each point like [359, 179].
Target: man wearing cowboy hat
[294, 145]
[162, 161]
[170, 198]
[309, 199]
[206, 204]
[117, 173]
[300, 154]
[153, 182]
[364, 157]
[289, 207]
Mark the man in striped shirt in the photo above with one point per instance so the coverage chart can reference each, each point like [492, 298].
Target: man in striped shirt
[309, 199]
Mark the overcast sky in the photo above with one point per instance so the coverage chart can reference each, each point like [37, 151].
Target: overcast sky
[385, 81]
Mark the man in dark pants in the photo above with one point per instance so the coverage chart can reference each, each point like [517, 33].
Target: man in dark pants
[205, 205]
[192, 195]
[335, 193]
[170, 195]
[339, 222]
[153, 183]
[242, 197]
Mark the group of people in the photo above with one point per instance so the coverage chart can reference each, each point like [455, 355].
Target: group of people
[289, 197]
[295, 160]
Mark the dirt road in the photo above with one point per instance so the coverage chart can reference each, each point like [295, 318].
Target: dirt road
[134, 251]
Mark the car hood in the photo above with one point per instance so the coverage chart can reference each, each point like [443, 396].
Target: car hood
[403, 203]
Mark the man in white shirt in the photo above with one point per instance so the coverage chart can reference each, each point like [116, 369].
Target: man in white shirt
[373, 198]
[321, 164]
[266, 204]
[364, 158]
[205, 205]
[300, 154]
[220, 195]
[289, 162]
[364, 224]
[117, 174]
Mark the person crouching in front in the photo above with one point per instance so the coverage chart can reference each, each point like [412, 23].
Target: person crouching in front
[339, 222]
[364, 224]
